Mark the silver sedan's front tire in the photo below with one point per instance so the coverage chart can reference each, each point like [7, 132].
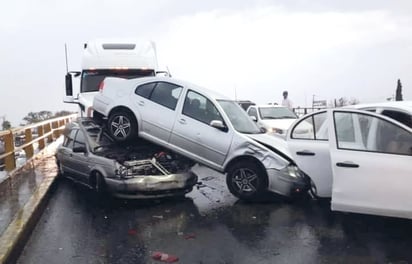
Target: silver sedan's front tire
[246, 180]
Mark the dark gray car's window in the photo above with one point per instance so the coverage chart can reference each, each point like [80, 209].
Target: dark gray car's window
[166, 94]
[145, 90]
[200, 108]
[80, 140]
[68, 143]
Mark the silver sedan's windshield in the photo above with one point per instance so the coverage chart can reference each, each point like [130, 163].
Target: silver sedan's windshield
[239, 118]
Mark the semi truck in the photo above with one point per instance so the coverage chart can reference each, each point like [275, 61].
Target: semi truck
[103, 58]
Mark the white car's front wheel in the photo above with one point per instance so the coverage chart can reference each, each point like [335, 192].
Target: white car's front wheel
[122, 126]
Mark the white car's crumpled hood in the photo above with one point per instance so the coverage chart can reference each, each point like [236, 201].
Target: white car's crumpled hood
[283, 124]
[277, 143]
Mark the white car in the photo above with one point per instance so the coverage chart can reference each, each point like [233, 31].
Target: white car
[275, 119]
[203, 126]
[359, 158]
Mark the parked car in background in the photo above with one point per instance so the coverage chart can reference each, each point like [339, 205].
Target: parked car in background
[136, 170]
[362, 161]
[202, 126]
[245, 104]
[275, 119]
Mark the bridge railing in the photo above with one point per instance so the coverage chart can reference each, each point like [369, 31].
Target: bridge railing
[29, 139]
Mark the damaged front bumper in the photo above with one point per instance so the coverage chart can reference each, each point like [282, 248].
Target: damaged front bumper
[152, 186]
[287, 182]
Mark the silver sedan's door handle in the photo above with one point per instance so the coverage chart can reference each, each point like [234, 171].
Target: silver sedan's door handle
[141, 103]
[182, 121]
[305, 153]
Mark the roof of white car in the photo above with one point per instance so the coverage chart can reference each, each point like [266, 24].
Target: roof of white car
[405, 105]
[192, 86]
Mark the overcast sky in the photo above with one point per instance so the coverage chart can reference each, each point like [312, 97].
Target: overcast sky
[325, 48]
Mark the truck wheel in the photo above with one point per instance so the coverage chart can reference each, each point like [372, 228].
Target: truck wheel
[122, 126]
[246, 180]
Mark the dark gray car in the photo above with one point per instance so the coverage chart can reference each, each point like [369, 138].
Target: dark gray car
[137, 170]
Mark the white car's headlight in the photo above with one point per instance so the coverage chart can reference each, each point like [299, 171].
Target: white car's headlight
[276, 130]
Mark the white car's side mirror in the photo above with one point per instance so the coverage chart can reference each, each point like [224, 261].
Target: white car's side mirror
[253, 118]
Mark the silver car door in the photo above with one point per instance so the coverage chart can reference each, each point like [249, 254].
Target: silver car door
[194, 136]
[156, 103]
[308, 144]
[372, 176]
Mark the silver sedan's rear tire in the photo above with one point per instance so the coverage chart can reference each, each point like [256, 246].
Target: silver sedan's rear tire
[122, 126]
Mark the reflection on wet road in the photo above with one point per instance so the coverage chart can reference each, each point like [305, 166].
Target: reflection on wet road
[210, 226]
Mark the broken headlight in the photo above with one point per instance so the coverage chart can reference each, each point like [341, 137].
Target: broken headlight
[292, 171]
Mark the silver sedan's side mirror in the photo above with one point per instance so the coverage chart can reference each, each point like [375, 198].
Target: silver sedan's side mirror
[253, 118]
[218, 124]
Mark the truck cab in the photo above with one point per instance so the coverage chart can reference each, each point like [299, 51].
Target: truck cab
[109, 58]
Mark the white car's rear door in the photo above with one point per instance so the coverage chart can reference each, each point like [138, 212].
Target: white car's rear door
[308, 144]
[372, 176]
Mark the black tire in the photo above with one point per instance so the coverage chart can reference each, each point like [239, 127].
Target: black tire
[247, 181]
[60, 171]
[122, 126]
[98, 184]
[313, 191]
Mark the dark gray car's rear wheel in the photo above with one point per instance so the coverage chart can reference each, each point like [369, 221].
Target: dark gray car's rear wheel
[122, 126]
[246, 180]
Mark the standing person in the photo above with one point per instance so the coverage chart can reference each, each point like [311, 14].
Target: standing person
[286, 102]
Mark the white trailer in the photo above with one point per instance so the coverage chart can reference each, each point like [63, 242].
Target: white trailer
[109, 58]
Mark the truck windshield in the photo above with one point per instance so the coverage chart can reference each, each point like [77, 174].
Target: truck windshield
[91, 79]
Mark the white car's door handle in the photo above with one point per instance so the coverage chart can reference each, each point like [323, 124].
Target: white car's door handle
[347, 164]
[141, 103]
[182, 121]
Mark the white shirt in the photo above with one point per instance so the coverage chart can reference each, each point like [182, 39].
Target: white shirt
[287, 103]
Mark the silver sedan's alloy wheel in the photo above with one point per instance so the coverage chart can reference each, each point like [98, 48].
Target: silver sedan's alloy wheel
[245, 181]
[120, 127]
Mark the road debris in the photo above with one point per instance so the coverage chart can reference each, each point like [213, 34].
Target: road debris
[164, 257]
[132, 232]
[158, 216]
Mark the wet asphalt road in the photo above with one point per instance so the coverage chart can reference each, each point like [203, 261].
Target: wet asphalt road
[210, 226]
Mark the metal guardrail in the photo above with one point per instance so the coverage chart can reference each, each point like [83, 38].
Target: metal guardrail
[41, 133]
[300, 111]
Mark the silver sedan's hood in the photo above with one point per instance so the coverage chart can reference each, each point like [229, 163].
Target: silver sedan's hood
[279, 145]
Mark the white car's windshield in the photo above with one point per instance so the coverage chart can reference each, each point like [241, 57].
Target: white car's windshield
[276, 113]
[239, 118]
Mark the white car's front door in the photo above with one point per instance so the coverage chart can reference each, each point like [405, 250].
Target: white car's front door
[372, 176]
[156, 103]
[308, 143]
